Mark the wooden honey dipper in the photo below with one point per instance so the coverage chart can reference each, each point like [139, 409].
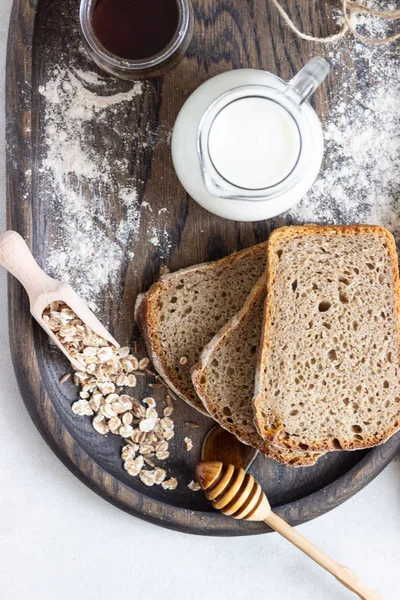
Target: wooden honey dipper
[236, 494]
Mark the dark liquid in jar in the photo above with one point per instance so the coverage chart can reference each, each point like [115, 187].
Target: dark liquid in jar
[135, 29]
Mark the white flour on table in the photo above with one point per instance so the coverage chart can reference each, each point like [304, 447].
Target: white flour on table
[360, 181]
[90, 244]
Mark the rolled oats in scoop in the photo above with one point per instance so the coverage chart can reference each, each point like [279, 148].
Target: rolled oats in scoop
[106, 370]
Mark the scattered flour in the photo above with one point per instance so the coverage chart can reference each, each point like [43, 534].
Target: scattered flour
[147, 205]
[161, 239]
[360, 178]
[98, 212]
[80, 186]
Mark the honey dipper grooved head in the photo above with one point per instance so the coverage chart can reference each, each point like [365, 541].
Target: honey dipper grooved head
[232, 491]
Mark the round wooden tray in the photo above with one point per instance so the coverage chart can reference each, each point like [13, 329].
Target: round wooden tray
[43, 32]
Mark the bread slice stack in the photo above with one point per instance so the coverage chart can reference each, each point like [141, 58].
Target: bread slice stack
[292, 345]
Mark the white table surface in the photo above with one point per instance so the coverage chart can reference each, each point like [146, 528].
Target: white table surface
[59, 541]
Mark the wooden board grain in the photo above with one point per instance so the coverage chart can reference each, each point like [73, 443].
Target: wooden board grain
[239, 33]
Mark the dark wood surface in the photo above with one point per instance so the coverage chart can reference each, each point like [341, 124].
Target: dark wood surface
[238, 33]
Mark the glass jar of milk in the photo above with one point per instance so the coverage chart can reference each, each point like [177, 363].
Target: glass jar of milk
[246, 145]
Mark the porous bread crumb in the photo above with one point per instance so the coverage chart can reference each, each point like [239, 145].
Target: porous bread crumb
[330, 361]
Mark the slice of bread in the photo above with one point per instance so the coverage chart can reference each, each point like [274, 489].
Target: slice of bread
[180, 313]
[224, 378]
[329, 368]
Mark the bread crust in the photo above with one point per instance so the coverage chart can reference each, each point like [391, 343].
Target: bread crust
[269, 428]
[146, 318]
[295, 458]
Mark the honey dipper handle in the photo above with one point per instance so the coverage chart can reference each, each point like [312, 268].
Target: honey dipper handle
[344, 575]
[16, 257]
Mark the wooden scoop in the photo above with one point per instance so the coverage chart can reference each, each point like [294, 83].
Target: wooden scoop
[236, 494]
[42, 290]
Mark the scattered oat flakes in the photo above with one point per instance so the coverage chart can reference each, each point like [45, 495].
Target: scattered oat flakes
[132, 445]
[114, 425]
[147, 477]
[160, 475]
[194, 486]
[146, 449]
[143, 364]
[124, 351]
[127, 418]
[118, 408]
[126, 431]
[134, 466]
[151, 403]
[108, 411]
[131, 380]
[189, 443]
[183, 360]
[100, 425]
[161, 446]
[162, 455]
[106, 387]
[146, 425]
[167, 423]
[128, 365]
[105, 371]
[82, 407]
[126, 401]
[138, 436]
[149, 372]
[170, 484]
[127, 452]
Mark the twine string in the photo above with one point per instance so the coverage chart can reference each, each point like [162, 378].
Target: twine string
[348, 6]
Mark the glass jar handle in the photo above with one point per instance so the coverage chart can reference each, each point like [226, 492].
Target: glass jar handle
[304, 84]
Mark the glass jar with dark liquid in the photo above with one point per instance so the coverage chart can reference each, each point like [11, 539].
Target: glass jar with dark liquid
[135, 39]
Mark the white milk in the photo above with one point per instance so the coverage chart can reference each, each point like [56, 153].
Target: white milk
[279, 148]
[254, 143]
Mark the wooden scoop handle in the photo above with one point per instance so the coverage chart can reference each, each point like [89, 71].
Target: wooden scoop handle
[342, 574]
[16, 257]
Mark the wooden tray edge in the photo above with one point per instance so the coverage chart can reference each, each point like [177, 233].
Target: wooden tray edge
[18, 112]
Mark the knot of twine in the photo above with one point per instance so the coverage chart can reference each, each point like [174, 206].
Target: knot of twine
[349, 8]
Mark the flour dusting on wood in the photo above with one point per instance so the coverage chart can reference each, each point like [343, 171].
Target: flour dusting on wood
[80, 182]
[360, 178]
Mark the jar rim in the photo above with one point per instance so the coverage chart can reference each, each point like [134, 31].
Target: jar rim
[130, 65]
